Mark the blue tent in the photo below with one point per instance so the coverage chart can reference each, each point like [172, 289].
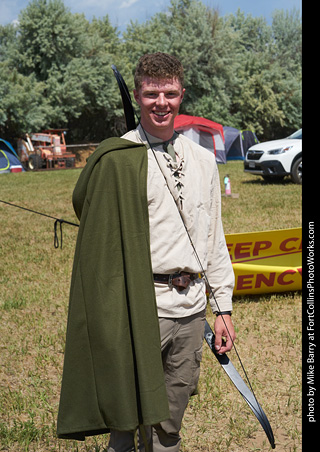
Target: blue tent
[237, 142]
[9, 161]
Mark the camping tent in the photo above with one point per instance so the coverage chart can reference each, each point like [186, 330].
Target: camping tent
[207, 133]
[9, 161]
[237, 142]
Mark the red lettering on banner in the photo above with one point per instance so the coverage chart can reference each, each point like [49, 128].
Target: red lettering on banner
[242, 283]
[247, 250]
[283, 245]
[281, 277]
[268, 281]
[260, 246]
[242, 250]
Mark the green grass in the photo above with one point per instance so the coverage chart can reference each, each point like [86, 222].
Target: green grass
[35, 280]
[260, 206]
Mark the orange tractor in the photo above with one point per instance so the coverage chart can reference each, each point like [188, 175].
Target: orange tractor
[46, 149]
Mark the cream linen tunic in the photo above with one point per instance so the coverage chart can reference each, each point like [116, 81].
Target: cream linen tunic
[194, 183]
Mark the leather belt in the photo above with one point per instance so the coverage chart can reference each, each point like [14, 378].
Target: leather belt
[179, 280]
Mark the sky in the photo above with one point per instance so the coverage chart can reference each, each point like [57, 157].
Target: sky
[121, 12]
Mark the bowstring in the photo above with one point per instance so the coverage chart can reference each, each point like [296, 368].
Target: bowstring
[59, 221]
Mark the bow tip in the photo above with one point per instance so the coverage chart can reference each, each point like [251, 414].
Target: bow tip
[271, 440]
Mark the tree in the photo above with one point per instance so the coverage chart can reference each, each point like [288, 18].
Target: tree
[235, 71]
[191, 32]
[23, 107]
[239, 71]
[268, 96]
[49, 36]
[287, 40]
[71, 60]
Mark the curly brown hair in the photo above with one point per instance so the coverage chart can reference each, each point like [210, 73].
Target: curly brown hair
[159, 66]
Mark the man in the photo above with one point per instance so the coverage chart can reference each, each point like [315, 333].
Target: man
[189, 179]
[150, 224]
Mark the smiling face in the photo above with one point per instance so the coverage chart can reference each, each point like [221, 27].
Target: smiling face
[159, 102]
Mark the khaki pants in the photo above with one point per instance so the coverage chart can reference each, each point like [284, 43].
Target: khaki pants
[181, 345]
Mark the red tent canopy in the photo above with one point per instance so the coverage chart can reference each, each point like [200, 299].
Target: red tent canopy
[205, 132]
[186, 120]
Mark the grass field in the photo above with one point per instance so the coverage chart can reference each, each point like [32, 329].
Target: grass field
[35, 280]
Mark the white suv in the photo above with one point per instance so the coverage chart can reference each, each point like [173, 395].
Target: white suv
[273, 160]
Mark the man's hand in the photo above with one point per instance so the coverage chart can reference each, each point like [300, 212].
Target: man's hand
[223, 342]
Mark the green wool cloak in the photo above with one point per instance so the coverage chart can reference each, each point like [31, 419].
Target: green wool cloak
[112, 375]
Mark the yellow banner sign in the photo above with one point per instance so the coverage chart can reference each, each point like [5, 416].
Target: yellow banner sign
[266, 261]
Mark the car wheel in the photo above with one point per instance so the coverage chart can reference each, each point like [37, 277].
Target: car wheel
[296, 172]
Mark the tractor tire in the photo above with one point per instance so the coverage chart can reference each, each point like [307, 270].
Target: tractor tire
[34, 162]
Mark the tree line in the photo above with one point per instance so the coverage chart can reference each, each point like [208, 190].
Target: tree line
[56, 71]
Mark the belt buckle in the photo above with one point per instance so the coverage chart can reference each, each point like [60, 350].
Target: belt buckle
[171, 277]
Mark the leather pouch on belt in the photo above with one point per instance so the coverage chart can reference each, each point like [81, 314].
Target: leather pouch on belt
[181, 282]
